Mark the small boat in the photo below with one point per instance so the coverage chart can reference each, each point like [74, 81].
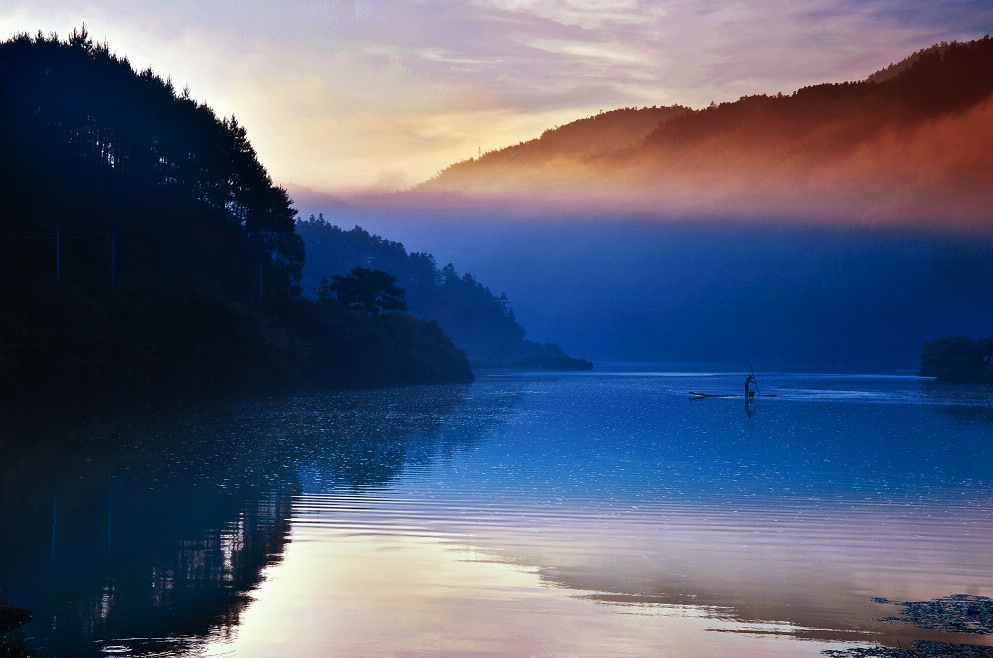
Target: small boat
[730, 395]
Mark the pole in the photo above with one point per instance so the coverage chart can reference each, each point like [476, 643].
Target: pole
[753, 378]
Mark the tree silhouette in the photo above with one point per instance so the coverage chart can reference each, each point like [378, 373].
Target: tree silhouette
[367, 291]
[147, 251]
[481, 323]
[958, 358]
[125, 145]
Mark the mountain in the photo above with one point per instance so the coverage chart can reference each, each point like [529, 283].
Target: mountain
[911, 143]
[149, 252]
[894, 70]
[580, 140]
[481, 323]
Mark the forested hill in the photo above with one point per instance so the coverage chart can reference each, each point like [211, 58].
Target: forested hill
[894, 70]
[96, 147]
[912, 142]
[146, 248]
[480, 322]
[587, 138]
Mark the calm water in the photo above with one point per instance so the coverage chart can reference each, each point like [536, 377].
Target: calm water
[594, 514]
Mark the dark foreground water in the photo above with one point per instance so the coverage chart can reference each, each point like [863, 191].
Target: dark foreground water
[594, 514]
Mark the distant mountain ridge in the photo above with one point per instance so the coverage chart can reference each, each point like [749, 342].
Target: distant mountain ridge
[912, 141]
[591, 137]
[894, 70]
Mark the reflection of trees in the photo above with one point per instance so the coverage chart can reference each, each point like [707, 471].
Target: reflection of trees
[112, 537]
[355, 448]
[969, 413]
[960, 400]
[159, 525]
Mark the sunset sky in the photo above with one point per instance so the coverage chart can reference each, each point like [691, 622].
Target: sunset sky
[360, 94]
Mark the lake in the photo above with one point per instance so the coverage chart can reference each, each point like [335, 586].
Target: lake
[582, 514]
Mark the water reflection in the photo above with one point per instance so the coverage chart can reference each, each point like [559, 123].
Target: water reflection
[100, 540]
[483, 574]
[155, 526]
[961, 401]
[584, 515]
[617, 508]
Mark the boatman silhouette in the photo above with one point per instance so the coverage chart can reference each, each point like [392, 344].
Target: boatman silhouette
[748, 382]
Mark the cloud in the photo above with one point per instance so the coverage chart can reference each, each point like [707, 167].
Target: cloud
[969, 18]
[313, 81]
[613, 54]
[586, 14]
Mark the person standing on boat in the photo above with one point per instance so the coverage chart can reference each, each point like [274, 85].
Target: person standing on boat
[748, 383]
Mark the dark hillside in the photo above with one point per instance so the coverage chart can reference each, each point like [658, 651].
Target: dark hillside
[480, 322]
[145, 249]
[94, 147]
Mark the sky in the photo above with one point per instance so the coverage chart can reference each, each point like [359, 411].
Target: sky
[378, 95]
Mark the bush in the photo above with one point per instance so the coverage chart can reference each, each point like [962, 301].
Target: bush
[958, 358]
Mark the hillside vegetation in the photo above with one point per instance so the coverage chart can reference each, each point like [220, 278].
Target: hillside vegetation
[480, 322]
[958, 358]
[580, 140]
[147, 250]
[913, 142]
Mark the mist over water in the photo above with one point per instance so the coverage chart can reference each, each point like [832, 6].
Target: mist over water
[779, 292]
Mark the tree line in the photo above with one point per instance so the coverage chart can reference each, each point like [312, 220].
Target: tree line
[827, 150]
[479, 321]
[937, 81]
[145, 247]
[127, 151]
[958, 358]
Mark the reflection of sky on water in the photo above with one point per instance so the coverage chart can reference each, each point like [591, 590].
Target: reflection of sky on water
[607, 507]
[396, 575]
[589, 514]
[152, 526]
[642, 437]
